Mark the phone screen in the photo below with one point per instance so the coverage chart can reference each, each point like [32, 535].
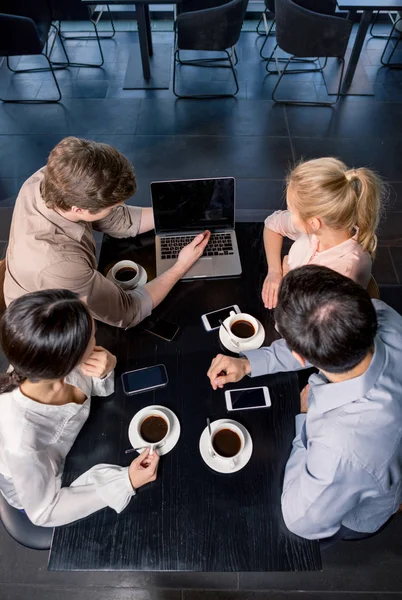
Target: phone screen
[243, 399]
[215, 317]
[163, 329]
[134, 381]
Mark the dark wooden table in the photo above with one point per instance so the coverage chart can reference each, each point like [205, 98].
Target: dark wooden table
[161, 59]
[191, 518]
[368, 7]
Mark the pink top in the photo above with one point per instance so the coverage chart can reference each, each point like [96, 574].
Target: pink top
[347, 258]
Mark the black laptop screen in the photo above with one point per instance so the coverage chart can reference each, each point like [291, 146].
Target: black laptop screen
[193, 204]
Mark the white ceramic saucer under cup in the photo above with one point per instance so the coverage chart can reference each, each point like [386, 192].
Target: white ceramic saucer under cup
[172, 438]
[142, 280]
[216, 463]
[253, 344]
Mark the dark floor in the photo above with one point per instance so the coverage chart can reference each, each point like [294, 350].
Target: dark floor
[254, 140]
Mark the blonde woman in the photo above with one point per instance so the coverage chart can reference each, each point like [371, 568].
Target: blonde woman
[332, 215]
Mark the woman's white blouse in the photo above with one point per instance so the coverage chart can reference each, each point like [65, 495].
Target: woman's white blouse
[34, 442]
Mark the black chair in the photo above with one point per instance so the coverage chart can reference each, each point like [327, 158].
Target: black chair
[75, 10]
[20, 528]
[302, 33]
[269, 11]
[214, 29]
[380, 36]
[395, 40]
[24, 31]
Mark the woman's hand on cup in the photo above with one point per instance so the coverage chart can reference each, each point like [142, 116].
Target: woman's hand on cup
[270, 288]
[224, 370]
[193, 251]
[144, 468]
[100, 363]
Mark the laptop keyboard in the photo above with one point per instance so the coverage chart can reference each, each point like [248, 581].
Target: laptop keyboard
[220, 244]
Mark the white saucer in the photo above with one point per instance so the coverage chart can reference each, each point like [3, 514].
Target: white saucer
[253, 344]
[172, 438]
[142, 280]
[217, 464]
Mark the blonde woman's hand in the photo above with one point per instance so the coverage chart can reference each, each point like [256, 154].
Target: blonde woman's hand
[270, 288]
[143, 469]
[285, 266]
[99, 363]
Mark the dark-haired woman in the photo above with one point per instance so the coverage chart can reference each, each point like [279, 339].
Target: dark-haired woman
[48, 338]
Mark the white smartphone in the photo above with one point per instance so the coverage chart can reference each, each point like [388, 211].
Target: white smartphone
[247, 398]
[211, 320]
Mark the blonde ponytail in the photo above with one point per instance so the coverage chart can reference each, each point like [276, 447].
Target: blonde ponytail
[367, 187]
[344, 198]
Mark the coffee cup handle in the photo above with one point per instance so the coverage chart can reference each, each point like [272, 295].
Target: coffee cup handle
[232, 463]
[232, 313]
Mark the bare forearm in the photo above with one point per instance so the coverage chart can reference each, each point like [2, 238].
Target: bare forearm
[147, 220]
[273, 248]
[161, 286]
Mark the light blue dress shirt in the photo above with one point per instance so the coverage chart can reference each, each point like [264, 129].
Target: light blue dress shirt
[345, 467]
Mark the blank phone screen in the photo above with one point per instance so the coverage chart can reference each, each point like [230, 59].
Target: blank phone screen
[214, 317]
[143, 379]
[243, 399]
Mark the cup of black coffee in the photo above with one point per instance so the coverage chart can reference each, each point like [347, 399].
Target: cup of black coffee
[227, 443]
[243, 327]
[126, 274]
[154, 429]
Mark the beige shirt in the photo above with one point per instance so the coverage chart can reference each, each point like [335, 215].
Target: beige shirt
[347, 258]
[47, 251]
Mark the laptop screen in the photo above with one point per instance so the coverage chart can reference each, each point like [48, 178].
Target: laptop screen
[193, 204]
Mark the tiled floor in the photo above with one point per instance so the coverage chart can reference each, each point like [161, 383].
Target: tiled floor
[256, 141]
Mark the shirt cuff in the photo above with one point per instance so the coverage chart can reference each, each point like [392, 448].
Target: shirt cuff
[257, 362]
[136, 216]
[113, 485]
[144, 305]
[300, 420]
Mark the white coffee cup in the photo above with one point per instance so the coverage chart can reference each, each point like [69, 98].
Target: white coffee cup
[130, 284]
[153, 445]
[231, 460]
[242, 317]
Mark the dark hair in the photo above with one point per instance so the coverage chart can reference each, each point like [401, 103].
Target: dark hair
[326, 318]
[44, 335]
[87, 174]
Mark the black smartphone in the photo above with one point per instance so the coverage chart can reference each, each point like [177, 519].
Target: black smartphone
[163, 329]
[143, 380]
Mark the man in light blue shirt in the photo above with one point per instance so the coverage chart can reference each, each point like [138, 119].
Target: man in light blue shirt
[344, 475]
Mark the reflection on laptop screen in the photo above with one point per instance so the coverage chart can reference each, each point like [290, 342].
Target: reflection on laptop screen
[195, 204]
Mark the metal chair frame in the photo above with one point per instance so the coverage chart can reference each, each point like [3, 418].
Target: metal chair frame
[380, 36]
[52, 68]
[96, 21]
[299, 102]
[390, 38]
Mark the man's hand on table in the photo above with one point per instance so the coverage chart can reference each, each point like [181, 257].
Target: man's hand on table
[143, 469]
[304, 399]
[224, 370]
[99, 364]
[193, 251]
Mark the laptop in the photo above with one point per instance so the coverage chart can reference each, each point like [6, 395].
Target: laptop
[185, 208]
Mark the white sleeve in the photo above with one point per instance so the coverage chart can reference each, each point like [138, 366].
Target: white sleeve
[49, 505]
[103, 387]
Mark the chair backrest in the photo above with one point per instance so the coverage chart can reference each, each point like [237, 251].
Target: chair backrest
[20, 528]
[304, 33]
[19, 36]
[373, 289]
[212, 29]
[2, 277]
[69, 10]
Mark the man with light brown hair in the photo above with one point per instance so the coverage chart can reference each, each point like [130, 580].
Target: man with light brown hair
[83, 187]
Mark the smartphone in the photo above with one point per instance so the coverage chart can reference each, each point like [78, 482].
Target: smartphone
[163, 329]
[211, 320]
[143, 380]
[247, 398]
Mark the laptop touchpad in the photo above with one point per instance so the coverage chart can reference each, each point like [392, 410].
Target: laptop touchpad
[203, 266]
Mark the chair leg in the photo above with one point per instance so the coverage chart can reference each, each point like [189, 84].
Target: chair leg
[36, 100]
[266, 39]
[312, 103]
[390, 38]
[196, 63]
[380, 36]
[74, 64]
[294, 60]
[90, 37]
